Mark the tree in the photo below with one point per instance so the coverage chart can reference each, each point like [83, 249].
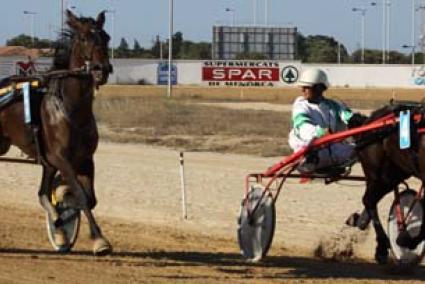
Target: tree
[397, 57]
[123, 51]
[137, 49]
[322, 49]
[20, 40]
[374, 56]
[27, 41]
[301, 52]
[156, 48]
[203, 50]
[177, 43]
[192, 50]
[371, 56]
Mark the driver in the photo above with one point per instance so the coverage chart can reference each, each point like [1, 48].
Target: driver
[314, 116]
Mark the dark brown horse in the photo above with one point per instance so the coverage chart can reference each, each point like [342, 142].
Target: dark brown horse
[385, 166]
[68, 133]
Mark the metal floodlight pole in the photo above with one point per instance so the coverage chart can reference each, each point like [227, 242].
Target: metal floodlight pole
[112, 12]
[266, 12]
[32, 15]
[63, 7]
[384, 20]
[339, 53]
[363, 16]
[413, 42]
[421, 9]
[113, 34]
[233, 14]
[62, 15]
[363, 34]
[384, 3]
[413, 48]
[254, 3]
[160, 50]
[388, 7]
[170, 46]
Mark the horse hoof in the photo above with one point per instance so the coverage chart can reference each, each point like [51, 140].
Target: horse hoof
[101, 247]
[61, 241]
[405, 240]
[360, 221]
[352, 220]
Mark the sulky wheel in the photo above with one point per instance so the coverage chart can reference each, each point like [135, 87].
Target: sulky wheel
[256, 229]
[406, 256]
[63, 237]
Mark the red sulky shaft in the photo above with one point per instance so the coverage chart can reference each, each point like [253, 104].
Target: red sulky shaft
[390, 119]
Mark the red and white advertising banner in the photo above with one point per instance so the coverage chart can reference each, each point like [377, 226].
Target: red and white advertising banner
[244, 73]
[240, 74]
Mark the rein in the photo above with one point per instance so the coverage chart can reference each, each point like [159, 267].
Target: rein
[42, 78]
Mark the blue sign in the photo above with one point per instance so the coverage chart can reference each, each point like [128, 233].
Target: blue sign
[420, 81]
[404, 125]
[163, 74]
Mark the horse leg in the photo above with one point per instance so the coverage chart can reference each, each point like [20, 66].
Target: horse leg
[360, 221]
[101, 245]
[44, 193]
[69, 175]
[383, 243]
[85, 175]
[374, 193]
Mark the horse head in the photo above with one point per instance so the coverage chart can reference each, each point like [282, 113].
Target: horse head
[89, 46]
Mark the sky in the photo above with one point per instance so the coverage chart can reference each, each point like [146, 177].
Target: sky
[144, 19]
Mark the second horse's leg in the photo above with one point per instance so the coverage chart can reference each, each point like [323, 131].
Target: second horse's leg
[85, 176]
[374, 193]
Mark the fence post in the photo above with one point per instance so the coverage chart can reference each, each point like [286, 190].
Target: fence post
[182, 184]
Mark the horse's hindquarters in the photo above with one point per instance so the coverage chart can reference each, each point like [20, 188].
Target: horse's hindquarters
[14, 131]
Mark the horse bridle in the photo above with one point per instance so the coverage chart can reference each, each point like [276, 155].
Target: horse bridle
[88, 54]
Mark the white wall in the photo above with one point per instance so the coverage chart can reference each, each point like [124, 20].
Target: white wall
[344, 75]
[133, 71]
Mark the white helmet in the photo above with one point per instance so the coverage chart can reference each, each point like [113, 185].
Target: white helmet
[313, 76]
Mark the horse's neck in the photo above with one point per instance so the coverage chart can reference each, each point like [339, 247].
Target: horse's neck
[76, 96]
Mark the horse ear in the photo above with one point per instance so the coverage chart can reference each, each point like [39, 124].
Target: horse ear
[72, 21]
[100, 21]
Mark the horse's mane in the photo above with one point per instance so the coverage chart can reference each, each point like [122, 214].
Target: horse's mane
[63, 46]
[360, 119]
[395, 107]
[62, 53]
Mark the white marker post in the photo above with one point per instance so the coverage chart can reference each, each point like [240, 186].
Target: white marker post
[182, 184]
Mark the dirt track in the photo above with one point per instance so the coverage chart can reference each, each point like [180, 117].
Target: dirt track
[139, 209]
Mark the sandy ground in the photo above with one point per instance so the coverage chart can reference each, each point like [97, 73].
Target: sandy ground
[140, 211]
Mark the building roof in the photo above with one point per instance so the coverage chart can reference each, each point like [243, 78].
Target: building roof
[23, 51]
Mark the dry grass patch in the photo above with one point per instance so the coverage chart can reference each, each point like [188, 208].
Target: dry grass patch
[181, 124]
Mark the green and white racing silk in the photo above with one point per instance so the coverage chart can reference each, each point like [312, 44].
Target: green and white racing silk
[309, 120]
